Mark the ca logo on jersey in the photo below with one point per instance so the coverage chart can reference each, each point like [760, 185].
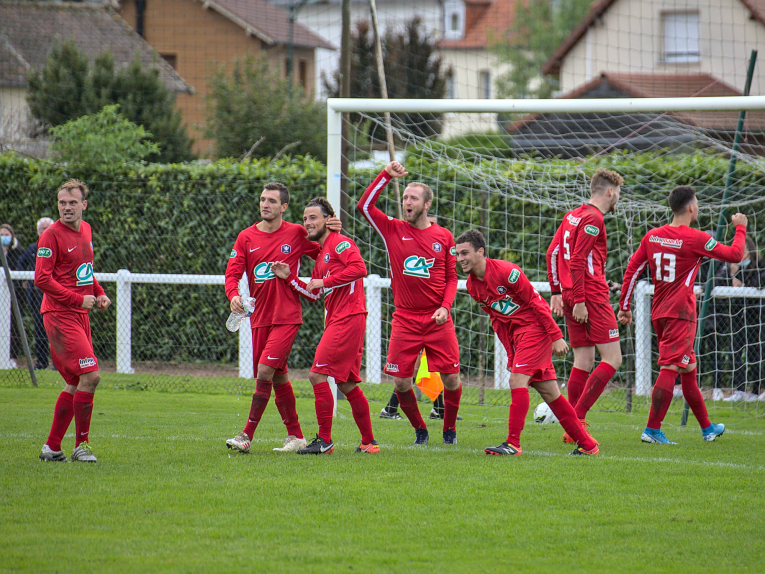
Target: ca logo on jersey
[44, 252]
[505, 306]
[85, 274]
[342, 247]
[591, 229]
[418, 266]
[262, 272]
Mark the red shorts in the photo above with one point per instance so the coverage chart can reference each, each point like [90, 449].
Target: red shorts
[529, 352]
[600, 327]
[676, 338]
[413, 332]
[71, 348]
[272, 346]
[340, 350]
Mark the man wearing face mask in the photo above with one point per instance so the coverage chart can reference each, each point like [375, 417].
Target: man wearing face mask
[35, 295]
[13, 252]
[746, 323]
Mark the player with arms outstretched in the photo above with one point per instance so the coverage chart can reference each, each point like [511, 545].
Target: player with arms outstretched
[64, 273]
[674, 253]
[278, 314]
[524, 325]
[424, 284]
[576, 260]
[339, 274]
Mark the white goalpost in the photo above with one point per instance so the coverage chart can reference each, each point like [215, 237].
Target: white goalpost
[525, 190]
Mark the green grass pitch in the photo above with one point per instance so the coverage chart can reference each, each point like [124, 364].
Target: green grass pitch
[167, 496]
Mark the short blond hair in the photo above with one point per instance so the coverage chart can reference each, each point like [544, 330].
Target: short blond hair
[604, 178]
[74, 184]
[427, 194]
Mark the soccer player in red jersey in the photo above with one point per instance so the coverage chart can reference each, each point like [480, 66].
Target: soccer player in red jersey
[278, 314]
[339, 274]
[522, 321]
[64, 273]
[576, 260]
[424, 284]
[674, 253]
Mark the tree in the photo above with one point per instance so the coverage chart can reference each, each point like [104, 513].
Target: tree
[539, 27]
[412, 70]
[104, 138]
[253, 102]
[69, 87]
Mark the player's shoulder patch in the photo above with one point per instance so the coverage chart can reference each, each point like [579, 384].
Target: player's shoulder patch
[342, 246]
[514, 275]
[591, 229]
[232, 256]
[44, 252]
[453, 251]
[709, 245]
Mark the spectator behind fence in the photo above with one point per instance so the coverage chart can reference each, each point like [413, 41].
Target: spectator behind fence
[35, 295]
[13, 252]
[746, 330]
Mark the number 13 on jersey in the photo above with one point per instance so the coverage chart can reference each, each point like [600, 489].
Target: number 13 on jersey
[665, 272]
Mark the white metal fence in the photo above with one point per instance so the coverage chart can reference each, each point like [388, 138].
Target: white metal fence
[374, 286]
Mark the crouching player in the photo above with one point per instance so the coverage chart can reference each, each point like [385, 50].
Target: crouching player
[339, 274]
[523, 322]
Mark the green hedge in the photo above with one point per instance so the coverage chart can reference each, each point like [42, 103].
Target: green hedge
[184, 219]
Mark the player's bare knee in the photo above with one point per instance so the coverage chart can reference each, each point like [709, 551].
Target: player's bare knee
[316, 378]
[89, 381]
[266, 373]
[402, 385]
[346, 388]
[451, 381]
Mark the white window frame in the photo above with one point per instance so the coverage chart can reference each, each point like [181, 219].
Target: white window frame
[484, 84]
[451, 85]
[454, 8]
[680, 44]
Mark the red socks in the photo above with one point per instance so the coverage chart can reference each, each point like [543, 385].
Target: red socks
[576, 383]
[693, 397]
[662, 397]
[63, 414]
[82, 404]
[325, 406]
[360, 410]
[451, 407]
[519, 408]
[285, 402]
[407, 402]
[566, 414]
[259, 401]
[596, 383]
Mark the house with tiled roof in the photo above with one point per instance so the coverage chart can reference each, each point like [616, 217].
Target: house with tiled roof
[29, 30]
[194, 36]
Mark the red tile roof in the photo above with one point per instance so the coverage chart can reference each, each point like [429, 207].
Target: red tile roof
[552, 65]
[485, 20]
[268, 22]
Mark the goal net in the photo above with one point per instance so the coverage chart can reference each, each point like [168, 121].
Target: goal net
[513, 168]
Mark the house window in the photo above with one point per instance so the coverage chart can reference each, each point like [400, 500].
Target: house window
[451, 86]
[171, 59]
[454, 20]
[485, 84]
[303, 74]
[681, 37]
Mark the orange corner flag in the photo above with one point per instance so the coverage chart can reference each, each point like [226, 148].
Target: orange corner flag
[429, 383]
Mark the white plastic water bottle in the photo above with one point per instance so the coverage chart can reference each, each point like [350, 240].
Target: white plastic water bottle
[235, 319]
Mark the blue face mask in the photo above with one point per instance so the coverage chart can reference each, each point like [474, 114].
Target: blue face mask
[745, 262]
[6, 240]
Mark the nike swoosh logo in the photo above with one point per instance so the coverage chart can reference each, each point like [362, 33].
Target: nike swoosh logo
[323, 449]
[83, 433]
[323, 365]
[72, 249]
[251, 421]
[251, 250]
[523, 365]
[456, 364]
[407, 238]
[272, 358]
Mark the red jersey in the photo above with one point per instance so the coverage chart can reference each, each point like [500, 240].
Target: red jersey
[576, 258]
[423, 262]
[674, 255]
[64, 268]
[341, 267]
[507, 296]
[255, 251]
